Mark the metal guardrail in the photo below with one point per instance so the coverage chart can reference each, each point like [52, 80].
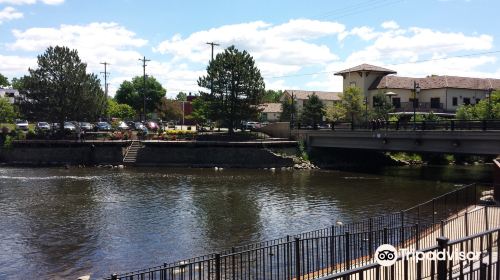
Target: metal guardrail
[444, 125]
[333, 249]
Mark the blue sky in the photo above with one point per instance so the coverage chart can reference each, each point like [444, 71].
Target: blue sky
[296, 44]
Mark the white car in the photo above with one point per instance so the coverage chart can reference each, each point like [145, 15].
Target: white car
[123, 126]
[22, 124]
[69, 126]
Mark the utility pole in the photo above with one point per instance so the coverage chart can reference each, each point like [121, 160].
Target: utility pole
[106, 75]
[212, 44]
[144, 60]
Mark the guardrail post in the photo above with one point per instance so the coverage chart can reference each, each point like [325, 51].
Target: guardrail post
[347, 253]
[483, 270]
[217, 267]
[297, 258]
[441, 264]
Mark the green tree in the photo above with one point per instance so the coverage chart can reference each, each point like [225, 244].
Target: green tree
[169, 109]
[272, 96]
[181, 96]
[60, 89]
[17, 83]
[485, 109]
[287, 110]
[381, 106]
[131, 93]
[4, 81]
[313, 110]
[121, 111]
[200, 110]
[335, 112]
[7, 111]
[352, 101]
[235, 88]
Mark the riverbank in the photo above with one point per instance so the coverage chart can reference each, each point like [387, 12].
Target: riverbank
[246, 154]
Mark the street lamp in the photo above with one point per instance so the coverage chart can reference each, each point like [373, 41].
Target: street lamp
[365, 101]
[416, 90]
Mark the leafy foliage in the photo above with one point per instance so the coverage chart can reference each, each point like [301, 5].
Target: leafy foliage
[131, 93]
[352, 102]
[313, 110]
[60, 89]
[335, 112]
[381, 106]
[7, 111]
[169, 109]
[4, 81]
[236, 88]
[287, 109]
[121, 111]
[272, 96]
[485, 109]
[181, 96]
[200, 110]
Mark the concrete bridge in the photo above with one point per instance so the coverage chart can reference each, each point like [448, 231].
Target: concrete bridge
[432, 141]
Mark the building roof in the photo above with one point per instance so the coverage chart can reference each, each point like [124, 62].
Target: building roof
[323, 95]
[434, 82]
[366, 67]
[270, 107]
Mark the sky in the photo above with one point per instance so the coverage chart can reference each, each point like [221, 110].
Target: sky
[296, 44]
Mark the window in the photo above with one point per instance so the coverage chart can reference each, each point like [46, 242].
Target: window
[352, 84]
[455, 101]
[477, 100]
[396, 102]
[466, 101]
[435, 103]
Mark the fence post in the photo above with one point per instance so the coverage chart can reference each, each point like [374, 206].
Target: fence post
[370, 237]
[347, 247]
[402, 227]
[297, 258]
[217, 267]
[466, 221]
[442, 227]
[114, 276]
[452, 125]
[164, 271]
[483, 270]
[417, 236]
[233, 263]
[441, 265]
[486, 223]
[433, 212]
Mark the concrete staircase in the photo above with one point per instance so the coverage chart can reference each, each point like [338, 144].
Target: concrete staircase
[131, 153]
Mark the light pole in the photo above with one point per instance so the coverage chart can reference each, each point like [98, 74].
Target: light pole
[488, 95]
[416, 90]
[366, 110]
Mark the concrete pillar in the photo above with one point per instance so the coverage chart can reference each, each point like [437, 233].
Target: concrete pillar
[496, 178]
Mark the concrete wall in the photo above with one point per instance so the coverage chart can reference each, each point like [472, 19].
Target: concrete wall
[63, 153]
[197, 154]
[277, 129]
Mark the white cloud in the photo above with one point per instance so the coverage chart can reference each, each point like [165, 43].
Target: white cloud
[12, 65]
[9, 13]
[30, 2]
[390, 25]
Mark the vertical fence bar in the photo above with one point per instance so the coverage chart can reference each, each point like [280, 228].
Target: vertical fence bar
[347, 251]
[217, 267]
[297, 258]
[441, 265]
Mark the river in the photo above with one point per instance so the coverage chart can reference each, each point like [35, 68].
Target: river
[61, 223]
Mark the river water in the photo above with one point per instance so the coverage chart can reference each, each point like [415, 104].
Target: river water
[58, 223]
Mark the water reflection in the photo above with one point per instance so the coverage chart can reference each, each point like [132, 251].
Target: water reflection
[61, 224]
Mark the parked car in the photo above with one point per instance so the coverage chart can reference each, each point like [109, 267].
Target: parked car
[251, 125]
[138, 126]
[42, 126]
[69, 126]
[152, 126]
[22, 124]
[86, 126]
[103, 126]
[55, 126]
[123, 126]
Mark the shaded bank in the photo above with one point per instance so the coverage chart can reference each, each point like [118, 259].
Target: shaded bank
[250, 154]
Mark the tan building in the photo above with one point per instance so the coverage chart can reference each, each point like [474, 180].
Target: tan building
[10, 94]
[437, 93]
[271, 112]
[300, 96]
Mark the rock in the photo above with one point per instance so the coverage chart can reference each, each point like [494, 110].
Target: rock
[121, 166]
[85, 277]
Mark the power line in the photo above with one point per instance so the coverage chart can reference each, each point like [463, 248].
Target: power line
[411, 62]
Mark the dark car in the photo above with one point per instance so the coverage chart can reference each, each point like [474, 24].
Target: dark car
[103, 126]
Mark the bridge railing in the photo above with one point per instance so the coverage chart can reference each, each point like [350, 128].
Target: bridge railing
[450, 125]
[338, 247]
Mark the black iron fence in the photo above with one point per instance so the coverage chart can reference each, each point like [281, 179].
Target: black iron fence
[483, 265]
[450, 125]
[333, 249]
